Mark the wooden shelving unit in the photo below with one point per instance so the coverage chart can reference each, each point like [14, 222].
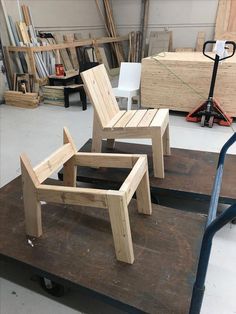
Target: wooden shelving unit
[30, 51]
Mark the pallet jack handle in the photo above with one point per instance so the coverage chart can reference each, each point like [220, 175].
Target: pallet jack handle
[210, 110]
[212, 42]
[213, 225]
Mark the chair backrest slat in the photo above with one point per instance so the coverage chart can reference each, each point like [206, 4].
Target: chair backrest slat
[54, 162]
[99, 89]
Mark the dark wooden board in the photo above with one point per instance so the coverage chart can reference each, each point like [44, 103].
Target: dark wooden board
[186, 171]
[77, 246]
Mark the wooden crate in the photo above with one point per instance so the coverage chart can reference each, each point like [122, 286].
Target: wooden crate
[181, 80]
[18, 99]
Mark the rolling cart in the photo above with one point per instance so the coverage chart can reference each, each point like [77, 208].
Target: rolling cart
[76, 250]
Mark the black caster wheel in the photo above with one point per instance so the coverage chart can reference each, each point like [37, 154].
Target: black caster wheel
[203, 119]
[211, 121]
[52, 287]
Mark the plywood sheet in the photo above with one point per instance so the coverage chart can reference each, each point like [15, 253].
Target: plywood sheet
[159, 42]
[226, 20]
[181, 81]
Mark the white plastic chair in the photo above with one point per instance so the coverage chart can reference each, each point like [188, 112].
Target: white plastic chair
[129, 82]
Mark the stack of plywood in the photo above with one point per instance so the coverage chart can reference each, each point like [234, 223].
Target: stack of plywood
[19, 99]
[181, 81]
[53, 95]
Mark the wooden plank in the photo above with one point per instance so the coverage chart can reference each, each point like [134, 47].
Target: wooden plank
[125, 119]
[134, 121]
[32, 206]
[161, 119]
[183, 81]
[147, 119]
[101, 160]
[144, 24]
[23, 32]
[200, 41]
[72, 195]
[232, 22]
[69, 38]
[222, 19]
[119, 217]
[53, 162]
[64, 55]
[69, 167]
[135, 176]
[115, 119]
[80, 43]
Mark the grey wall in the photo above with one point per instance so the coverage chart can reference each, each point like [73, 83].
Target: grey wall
[184, 17]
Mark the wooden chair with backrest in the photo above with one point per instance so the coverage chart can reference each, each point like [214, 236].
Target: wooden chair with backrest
[112, 123]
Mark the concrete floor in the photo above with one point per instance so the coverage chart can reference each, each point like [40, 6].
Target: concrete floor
[38, 132]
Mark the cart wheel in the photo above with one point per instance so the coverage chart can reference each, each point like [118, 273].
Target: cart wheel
[203, 119]
[211, 121]
[52, 287]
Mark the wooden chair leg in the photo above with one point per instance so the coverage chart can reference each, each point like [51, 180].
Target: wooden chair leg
[110, 143]
[143, 196]
[119, 217]
[157, 153]
[32, 206]
[166, 141]
[97, 138]
[69, 173]
[129, 103]
[96, 144]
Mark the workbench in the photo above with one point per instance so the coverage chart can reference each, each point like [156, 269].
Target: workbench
[76, 248]
[189, 174]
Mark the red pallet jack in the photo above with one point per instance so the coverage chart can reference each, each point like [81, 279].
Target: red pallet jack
[210, 110]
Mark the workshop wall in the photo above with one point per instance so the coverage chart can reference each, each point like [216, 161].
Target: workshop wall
[184, 17]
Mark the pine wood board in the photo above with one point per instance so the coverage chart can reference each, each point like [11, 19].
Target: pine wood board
[160, 88]
[200, 41]
[64, 55]
[69, 38]
[226, 20]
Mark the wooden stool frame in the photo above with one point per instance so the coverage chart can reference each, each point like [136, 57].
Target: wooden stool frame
[116, 201]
